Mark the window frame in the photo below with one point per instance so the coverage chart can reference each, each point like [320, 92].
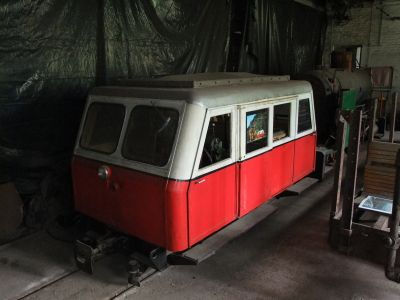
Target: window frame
[125, 138]
[80, 136]
[243, 110]
[312, 112]
[197, 172]
[293, 121]
[116, 157]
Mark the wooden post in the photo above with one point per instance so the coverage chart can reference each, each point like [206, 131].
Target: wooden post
[337, 200]
[340, 147]
[393, 117]
[372, 120]
[350, 179]
[393, 239]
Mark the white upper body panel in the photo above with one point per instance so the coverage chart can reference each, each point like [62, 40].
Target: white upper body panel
[195, 106]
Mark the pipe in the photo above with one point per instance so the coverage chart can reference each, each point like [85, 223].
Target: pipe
[380, 27]
[393, 238]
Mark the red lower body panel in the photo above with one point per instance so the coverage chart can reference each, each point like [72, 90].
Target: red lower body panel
[212, 203]
[178, 214]
[270, 173]
[255, 187]
[304, 154]
[281, 168]
[143, 205]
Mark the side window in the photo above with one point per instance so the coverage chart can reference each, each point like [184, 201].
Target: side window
[304, 118]
[256, 129]
[281, 121]
[217, 145]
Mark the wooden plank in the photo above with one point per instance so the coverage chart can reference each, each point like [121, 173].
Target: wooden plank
[380, 170]
[388, 153]
[372, 177]
[393, 117]
[375, 191]
[381, 189]
[369, 216]
[361, 228]
[386, 189]
[385, 147]
[377, 173]
[372, 120]
[380, 154]
[379, 177]
[382, 159]
[302, 185]
[378, 185]
[380, 150]
[376, 157]
[382, 222]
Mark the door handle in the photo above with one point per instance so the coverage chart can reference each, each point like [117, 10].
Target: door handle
[115, 186]
[200, 181]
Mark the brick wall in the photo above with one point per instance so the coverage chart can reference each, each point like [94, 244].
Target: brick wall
[379, 36]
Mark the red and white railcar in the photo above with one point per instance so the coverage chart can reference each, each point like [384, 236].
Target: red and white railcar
[173, 160]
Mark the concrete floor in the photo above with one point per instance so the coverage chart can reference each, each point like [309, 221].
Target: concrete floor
[286, 256]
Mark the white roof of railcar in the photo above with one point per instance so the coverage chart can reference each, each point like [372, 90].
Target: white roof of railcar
[208, 89]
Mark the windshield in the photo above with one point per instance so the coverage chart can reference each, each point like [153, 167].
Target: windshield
[150, 134]
[102, 127]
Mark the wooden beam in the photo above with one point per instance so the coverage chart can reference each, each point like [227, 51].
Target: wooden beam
[393, 117]
[372, 120]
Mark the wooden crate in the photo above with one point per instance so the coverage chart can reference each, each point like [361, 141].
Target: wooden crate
[380, 170]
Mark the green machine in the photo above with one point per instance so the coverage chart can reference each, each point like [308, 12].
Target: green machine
[349, 102]
[349, 99]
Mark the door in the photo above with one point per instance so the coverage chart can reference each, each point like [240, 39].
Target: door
[306, 139]
[212, 196]
[282, 154]
[255, 145]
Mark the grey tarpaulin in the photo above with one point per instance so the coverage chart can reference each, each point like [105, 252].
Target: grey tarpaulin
[282, 37]
[53, 51]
